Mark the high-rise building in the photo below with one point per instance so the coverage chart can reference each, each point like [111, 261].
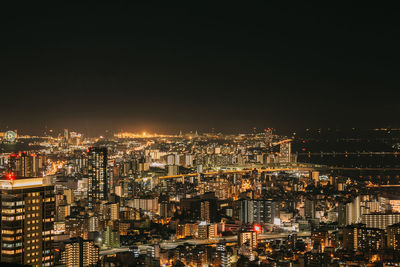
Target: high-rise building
[285, 151]
[393, 236]
[247, 242]
[208, 210]
[319, 239]
[80, 253]
[353, 211]
[309, 208]
[256, 210]
[97, 174]
[24, 165]
[360, 238]
[380, 220]
[27, 221]
[221, 255]
[111, 238]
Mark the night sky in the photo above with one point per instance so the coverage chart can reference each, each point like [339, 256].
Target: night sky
[161, 67]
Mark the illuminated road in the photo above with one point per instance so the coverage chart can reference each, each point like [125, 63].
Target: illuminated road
[299, 167]
[227, 239]
[113, 251]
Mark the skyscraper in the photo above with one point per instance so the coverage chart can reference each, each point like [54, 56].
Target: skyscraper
[26, 229]
[97, 173]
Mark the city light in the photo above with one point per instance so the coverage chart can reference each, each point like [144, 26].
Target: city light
[10, 176]
[257, 228]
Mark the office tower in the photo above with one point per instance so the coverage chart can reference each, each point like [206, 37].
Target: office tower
[28, 209]
[97, 174]
[80, 253]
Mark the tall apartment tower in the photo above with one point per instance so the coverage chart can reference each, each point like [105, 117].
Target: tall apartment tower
[27, 221]
[80, 253]
[285, 151]
[97, 174]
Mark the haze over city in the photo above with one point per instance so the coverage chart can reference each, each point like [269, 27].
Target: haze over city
[97, 66]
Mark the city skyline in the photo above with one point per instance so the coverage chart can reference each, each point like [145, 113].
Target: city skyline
[136, 133]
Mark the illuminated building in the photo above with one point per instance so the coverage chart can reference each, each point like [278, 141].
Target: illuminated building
[249, 237]
[309, 208]
[80, 253]
[191, 229]
[395, 204]
[173, 170]
[203, 230]
[221, 256]
[180, 231]
[360, 238]
[285, 151]
[97, 174]
[315, 177]
[145, 204]
[393, 236]
[256, 210]
[112, 211]
[208, 210]
[24, 165]
[27, 222]
[380, 220]
[353, 211]
[62, 212]
[111, 238]
[247, 242]
[93, 224]
[207, 231]
[319, 240]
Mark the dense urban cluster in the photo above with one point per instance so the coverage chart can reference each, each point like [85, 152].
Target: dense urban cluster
[190, 200]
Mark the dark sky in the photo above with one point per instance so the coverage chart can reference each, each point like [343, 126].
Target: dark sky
[161, 67]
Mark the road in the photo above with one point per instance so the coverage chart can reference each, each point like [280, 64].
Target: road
[227, 239]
